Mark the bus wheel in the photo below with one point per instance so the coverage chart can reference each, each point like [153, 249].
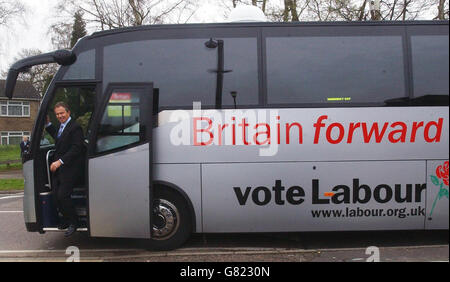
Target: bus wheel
[171, 221]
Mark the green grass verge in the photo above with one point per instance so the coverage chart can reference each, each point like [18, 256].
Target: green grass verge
[9, 152]
[11, 184]
[16, 166]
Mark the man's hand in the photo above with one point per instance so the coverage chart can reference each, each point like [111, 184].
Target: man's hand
[55, 165]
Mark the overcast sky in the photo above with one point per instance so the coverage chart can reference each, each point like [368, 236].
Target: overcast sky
[29, 32]
[32, 31]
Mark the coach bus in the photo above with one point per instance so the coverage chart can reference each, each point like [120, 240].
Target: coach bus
[251, 127]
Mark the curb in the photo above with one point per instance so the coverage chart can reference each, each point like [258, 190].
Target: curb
[11, 171]
[11, 192]
[250, 251]
[136, 254]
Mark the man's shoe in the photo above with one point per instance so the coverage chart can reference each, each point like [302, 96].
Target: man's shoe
[70, 230]
[63, 225]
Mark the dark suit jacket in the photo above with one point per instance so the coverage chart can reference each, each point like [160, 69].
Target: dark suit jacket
[24, 148]
[69, 147]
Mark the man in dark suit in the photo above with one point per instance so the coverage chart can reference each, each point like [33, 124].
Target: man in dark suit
[67, 165]
[24, 147]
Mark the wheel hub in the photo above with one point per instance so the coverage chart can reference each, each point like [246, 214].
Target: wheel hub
[165, 220]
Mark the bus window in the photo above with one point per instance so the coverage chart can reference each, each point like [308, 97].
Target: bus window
[81, 102]
[184, 69]
[430, 58]
[334, 69]
[241, 58]
[120, 123]
[83, 68]
[181, 78]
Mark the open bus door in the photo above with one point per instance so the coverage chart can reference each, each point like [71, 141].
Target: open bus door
[119, 163]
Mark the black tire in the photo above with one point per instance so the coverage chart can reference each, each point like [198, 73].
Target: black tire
[171, 220]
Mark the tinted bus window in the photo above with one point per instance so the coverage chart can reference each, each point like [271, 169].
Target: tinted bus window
[241, 57]
[179, 68]
[183, 69]
[83, 68]
[345, 69]
[430, 60]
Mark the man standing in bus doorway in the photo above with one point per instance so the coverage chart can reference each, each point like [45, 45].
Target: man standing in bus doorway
[67, 167]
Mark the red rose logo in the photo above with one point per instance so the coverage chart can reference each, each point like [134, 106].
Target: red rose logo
[442, 172]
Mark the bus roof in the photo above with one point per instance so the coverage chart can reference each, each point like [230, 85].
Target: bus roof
[265, 24]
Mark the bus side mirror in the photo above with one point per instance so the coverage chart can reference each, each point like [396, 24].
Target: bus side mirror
[11, 82]
[61, 57]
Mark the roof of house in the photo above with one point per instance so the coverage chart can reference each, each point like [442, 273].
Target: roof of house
[23, 90]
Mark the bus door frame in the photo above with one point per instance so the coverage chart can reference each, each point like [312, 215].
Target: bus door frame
[147, 107]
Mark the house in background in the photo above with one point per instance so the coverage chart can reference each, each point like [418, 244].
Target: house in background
[17, 116]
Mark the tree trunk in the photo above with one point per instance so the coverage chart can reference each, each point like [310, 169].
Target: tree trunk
[405, 9]
[286, 11]
[135, 9]
[441, 12]
[294, 10]
[375, 13]
[362, 11]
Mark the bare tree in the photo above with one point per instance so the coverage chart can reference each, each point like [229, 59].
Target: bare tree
[348, 10]
[375, 12]
[39, 75]
[443, 11]
[262, 4]
[111, 14]
[10, 9]
[290, 11]
[275, 10]
[395, 10]
[361, 10]
[329, 10]
[60, 34]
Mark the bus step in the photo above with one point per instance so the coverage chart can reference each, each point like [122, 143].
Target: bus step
[80, 190]
[81, 211]
[54, 229]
